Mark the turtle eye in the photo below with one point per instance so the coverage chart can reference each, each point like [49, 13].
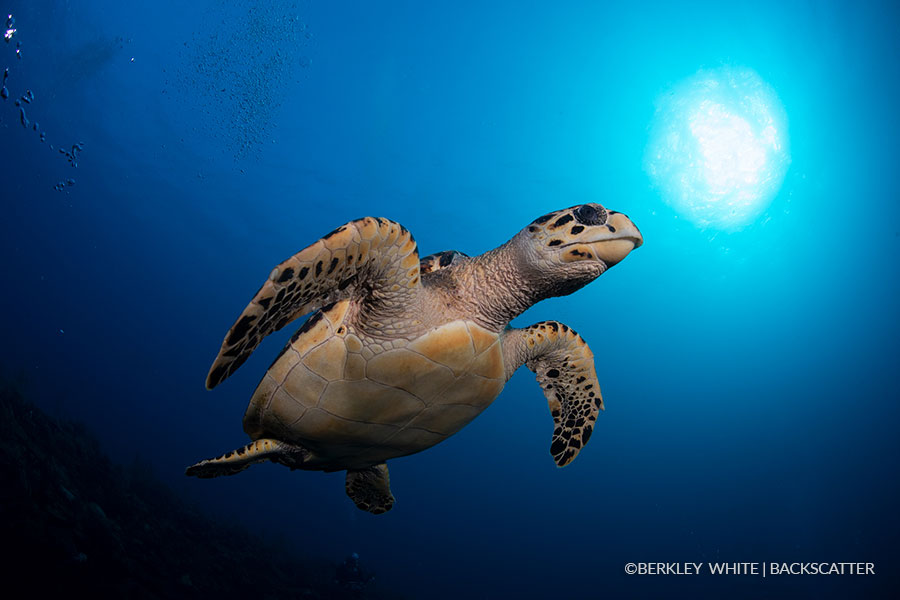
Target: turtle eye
[586, 214]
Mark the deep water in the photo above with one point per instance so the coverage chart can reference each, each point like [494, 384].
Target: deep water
[750, 377]
[78, 525]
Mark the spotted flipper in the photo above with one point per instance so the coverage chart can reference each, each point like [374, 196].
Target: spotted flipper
[353, 260]
[254, 452]
[370, 489]
[440, 260]
[564, 366]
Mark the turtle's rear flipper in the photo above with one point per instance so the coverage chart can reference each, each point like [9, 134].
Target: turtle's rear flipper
[370, 489]
[254, 452]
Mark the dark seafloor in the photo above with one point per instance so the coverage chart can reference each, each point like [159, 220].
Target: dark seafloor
[77, 525]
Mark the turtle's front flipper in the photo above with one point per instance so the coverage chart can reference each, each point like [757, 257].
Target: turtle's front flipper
[564, 366]
[366, 258]
[254, 452]
[370, 489]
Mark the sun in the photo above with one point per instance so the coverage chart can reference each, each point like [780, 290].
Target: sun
[718, 148]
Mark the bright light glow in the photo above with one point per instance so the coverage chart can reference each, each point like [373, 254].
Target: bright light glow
[718, 147]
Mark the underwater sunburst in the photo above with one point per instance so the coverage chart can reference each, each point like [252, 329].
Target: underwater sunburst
[718, 149]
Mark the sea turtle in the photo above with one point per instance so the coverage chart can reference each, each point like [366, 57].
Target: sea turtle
[403, 352]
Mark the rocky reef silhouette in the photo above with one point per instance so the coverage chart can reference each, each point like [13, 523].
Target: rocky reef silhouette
[75, 524]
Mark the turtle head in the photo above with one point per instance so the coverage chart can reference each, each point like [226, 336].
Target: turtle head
[573, 246]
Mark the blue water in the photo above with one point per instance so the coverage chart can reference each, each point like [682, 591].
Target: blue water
[750, 377]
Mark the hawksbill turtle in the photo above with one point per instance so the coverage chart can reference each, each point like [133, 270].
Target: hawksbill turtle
[403, 352]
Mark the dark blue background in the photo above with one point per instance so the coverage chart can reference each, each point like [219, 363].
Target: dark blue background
[750, 378]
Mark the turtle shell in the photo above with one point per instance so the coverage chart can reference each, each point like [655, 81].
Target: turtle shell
[354, 401]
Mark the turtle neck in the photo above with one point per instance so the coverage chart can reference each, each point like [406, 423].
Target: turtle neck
[495, 286]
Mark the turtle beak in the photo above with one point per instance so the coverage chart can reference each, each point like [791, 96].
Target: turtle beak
[620, 238]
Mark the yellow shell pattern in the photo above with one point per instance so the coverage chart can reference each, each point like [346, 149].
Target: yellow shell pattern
[354, 401]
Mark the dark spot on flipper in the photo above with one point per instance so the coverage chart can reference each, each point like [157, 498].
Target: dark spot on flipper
[286, 274]
[562, 221]
[238, 362]
[318, 268]
[218, 375]
[282, 322]
[557, 446]
[265, 302]
[334, 262]
[588, 386]
[555, 242]
[553, 373]
[280, 295]
[586, 435]
[240, 329]
[303, 272]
